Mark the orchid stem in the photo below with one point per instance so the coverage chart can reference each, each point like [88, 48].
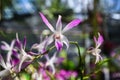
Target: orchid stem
[80, 58]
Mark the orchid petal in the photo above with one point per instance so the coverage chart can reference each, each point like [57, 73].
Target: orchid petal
[5, 46]
[46, 22]
[59, 24]
[25, 57]
[100, 39]
[4, 73]
[53, 68]
[50, 62]
[15, 61]
[10, 51]
[42, 46]
[60, 60]
[21, 62]
[72, 24]
[58, 45]
[95, 40]
[24, 64]
[15, 54]
[12, 43]
[24, 42]
[9, 56]
[50, 39]
[18, 44]
[97, 58]
[65, 41]
[2, 62]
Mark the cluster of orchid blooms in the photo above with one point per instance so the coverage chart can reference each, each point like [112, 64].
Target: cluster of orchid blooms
[18, 58]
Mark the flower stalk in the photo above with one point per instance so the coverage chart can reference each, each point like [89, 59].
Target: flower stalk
[80, 59]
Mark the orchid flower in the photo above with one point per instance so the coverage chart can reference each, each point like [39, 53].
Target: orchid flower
[41, 75]
[41, 47]
[37, 76]
[6, 65]
[66, 74]
[8, 48]
[57, 35]
[50, 62]
[23, 56]
[96, 51]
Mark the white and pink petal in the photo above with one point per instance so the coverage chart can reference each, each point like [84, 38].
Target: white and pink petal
[71, 25]
[46, 22]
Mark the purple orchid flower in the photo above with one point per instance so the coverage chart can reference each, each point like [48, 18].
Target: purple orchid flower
[98, 41]
[96, 51]
[50, 62]
[65, 75]
[8, 66]
[23, 56]
[41, 75]
[10, 62]
[58, 33]
[8, 48]
[41, 47]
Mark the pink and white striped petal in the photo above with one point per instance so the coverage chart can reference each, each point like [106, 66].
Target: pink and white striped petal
[46, 22]
[72, 24]
[59, 24]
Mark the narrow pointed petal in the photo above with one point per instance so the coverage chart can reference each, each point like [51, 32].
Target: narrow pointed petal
[2, 62]
[72, 24]
[23, 52]
[58, 45]
[100, 39]
[46, 22]
[35, 46]
[95, 40]
[15, 54]
[60, 60]
[10, 51]
[65, 41]
[18, 44]
[97, 58]
[12, 43]
[24, 42]
[9, 54]
[21, 62]
[53, 69]
[59, 24]
[5, 46]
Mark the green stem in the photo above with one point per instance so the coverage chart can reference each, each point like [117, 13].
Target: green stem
[80, 58]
